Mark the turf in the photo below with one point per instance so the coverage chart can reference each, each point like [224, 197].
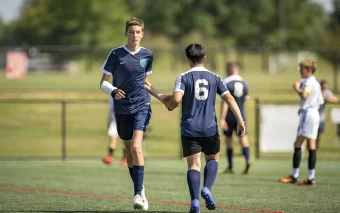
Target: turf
[92, 187]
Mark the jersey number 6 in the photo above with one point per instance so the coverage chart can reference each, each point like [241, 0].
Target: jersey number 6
[201, 93]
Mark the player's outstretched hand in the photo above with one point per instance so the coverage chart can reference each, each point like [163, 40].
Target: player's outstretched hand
[224, 125]
[241, 128]
[164, 98]
[119, 94]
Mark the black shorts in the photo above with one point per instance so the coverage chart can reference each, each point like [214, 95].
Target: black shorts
[232, 126]
[207, 145]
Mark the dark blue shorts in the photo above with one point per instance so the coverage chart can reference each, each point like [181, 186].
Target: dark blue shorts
[127, 123]
[232, 126]
[321, 127]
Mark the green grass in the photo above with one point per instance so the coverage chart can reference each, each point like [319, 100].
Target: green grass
[165, 181]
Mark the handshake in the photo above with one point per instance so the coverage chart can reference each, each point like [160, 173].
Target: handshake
[166, 100]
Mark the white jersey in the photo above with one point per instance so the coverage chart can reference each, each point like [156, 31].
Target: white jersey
[314, 99]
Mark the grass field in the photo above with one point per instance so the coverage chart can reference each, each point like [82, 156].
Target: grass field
[92, 187]
[34, 129]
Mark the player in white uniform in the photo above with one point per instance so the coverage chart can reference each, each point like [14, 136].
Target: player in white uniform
[309, 91]
[113, 134]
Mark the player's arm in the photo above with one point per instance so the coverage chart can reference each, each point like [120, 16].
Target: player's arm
[107, 69]
[224, 111]
[153, 91]
[174, 101]
[229, 99]
[302, 93]
[329, 97]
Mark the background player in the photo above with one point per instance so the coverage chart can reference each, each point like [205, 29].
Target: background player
[328, 98]
[113, 137]
[309, 91]
[239, 90]
[129, 65]
[197, 90]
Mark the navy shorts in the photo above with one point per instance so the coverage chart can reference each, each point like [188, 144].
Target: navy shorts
[232, 126]
[321, 127]
[127, 123]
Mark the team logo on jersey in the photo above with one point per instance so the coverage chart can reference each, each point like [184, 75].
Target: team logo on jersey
[143, 62]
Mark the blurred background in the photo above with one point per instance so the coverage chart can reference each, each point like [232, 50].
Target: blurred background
[51, 106]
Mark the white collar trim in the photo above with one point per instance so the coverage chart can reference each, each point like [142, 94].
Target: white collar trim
[132, 53]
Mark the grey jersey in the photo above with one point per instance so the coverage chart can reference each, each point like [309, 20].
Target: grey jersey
[314, 99]
[322, 110]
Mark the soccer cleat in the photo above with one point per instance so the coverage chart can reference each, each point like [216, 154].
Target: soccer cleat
[145, 201]
[306, 182]
[227, 171]
[288, 179]
[138, 202]
[108, 160]
[123, 162]
[209, 200]
[195, 206]
[247, 169]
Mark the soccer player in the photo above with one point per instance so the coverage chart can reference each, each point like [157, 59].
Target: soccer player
[197, 89]
[311, 98]
[329, 98]
[113, 135]
[239, 90]
[129, 65]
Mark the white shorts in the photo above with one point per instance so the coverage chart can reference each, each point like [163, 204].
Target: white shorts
[309, 123]
[113, 126]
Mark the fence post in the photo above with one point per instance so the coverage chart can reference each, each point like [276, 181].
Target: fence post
[257, 128]
[63, 130]
[335, 73]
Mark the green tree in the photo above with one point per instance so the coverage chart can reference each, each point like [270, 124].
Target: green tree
[76, 22]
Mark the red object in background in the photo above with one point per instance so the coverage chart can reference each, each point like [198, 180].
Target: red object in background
[16, 65]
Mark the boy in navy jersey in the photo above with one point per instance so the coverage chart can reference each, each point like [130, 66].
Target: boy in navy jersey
[197, 89]
[129, 65]
[239, 90]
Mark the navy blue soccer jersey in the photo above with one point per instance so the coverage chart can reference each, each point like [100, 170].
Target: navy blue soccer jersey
[199, 87]
[128, 70]
[239, 90]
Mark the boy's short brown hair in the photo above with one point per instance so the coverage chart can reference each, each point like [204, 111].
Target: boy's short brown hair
[133, 21]
[308, 63]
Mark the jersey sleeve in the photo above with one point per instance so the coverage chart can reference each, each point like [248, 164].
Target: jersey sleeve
[246, 91]
[109, 64]
[221, 87]
[148, 70]
[179, 84]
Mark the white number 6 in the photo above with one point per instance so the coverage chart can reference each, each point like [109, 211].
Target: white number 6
[199, 90]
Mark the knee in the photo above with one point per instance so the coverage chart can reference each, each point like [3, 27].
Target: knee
[136, 149]
[195, 166]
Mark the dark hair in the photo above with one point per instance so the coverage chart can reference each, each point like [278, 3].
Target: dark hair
[233, 63]
[196, 53]
[322, 82]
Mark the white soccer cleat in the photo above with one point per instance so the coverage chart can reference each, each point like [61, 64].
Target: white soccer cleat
[138, 202]
[145, 201]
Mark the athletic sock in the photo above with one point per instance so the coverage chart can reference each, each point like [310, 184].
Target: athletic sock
[193, 178]
[138, 177]
[311, 164]
[230, 154]
[210, 172]
[111, 151]
[296, 162]
[131, 173]
[245, 151]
